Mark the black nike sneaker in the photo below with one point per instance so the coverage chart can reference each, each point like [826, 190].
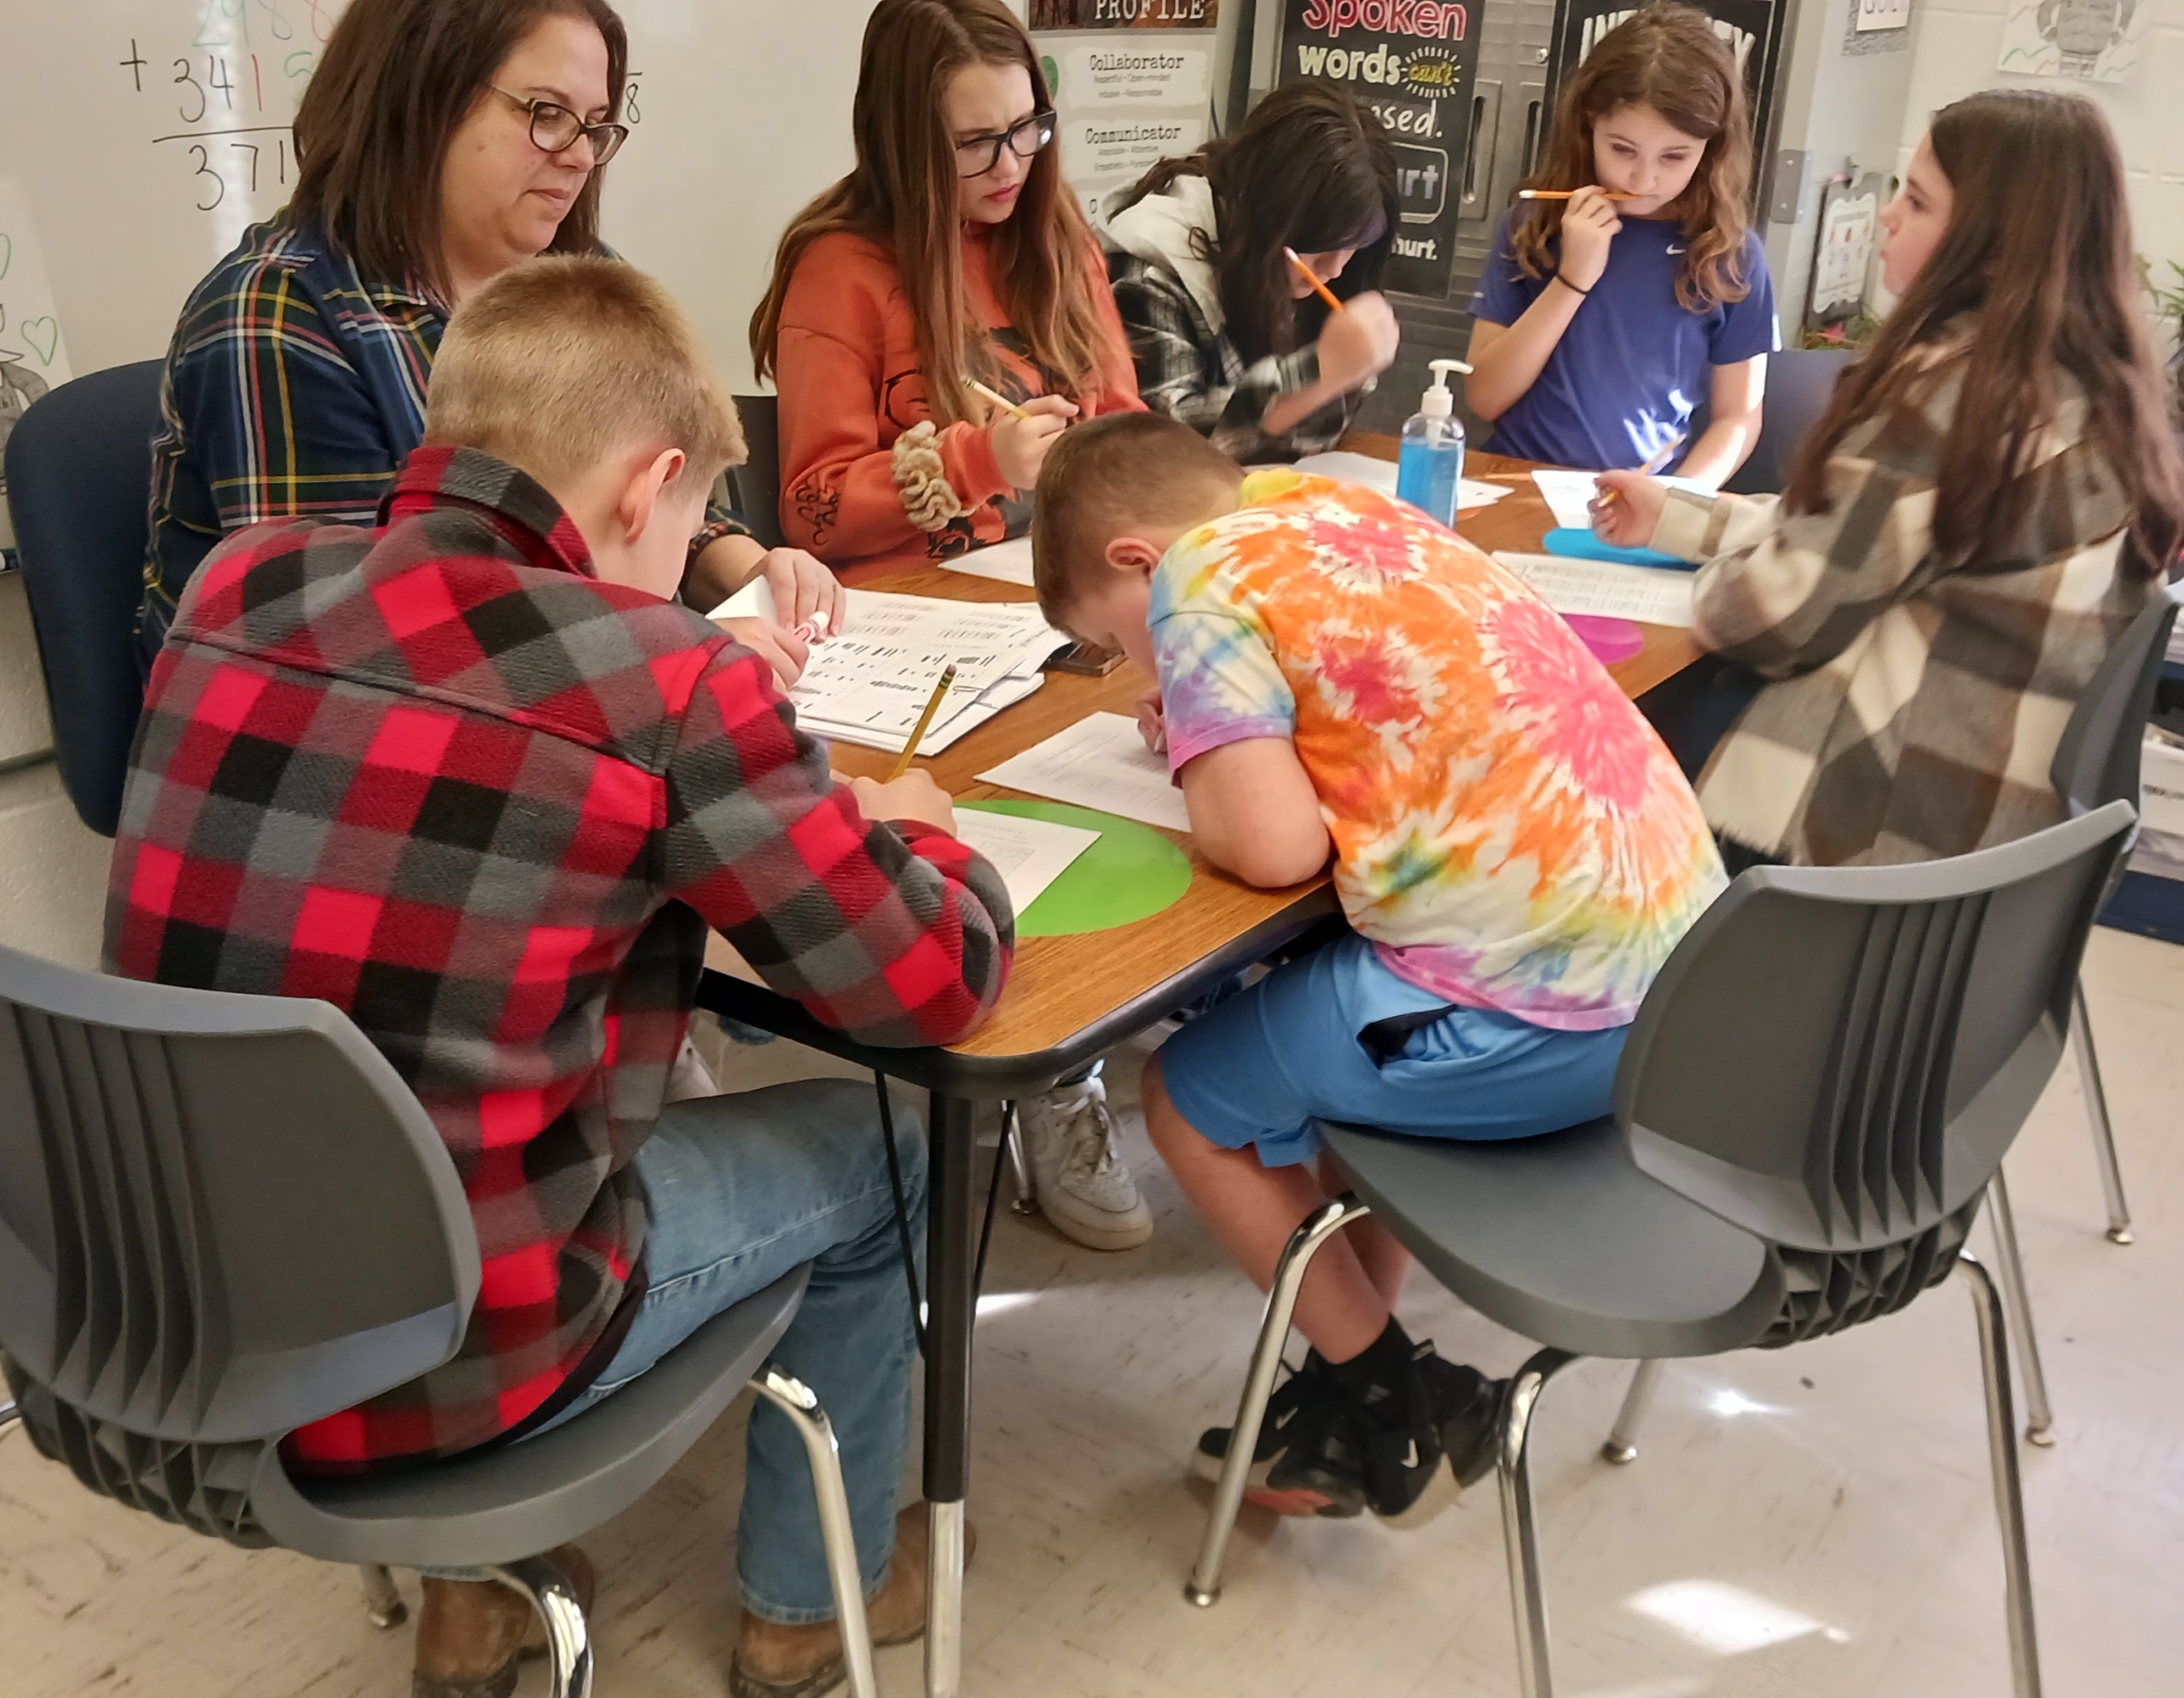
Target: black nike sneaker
[1320, 1469]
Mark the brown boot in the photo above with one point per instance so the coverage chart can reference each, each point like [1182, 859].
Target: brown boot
[471, 1632]
[776, 1661]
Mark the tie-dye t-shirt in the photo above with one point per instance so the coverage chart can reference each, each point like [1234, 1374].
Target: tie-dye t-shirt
[1508, 830]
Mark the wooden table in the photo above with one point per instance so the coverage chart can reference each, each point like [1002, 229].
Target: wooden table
[1072, 999]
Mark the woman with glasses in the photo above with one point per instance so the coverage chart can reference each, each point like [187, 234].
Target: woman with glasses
[442, 142]
[953, 255]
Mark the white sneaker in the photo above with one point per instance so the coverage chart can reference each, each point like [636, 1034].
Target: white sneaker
[1083, 1188]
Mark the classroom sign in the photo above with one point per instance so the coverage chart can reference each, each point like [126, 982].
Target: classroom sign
[1132, 82]
[1413, 62]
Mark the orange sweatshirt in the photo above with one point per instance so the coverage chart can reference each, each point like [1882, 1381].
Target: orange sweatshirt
[847, 371]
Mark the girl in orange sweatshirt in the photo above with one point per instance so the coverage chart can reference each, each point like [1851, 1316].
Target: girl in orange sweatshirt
[953, 252]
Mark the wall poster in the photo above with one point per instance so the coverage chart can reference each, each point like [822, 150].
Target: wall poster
[1132, 82]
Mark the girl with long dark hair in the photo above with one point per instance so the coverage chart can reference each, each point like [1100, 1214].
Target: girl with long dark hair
[1229, 337]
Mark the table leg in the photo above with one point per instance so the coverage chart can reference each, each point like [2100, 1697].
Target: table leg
[950, 1253]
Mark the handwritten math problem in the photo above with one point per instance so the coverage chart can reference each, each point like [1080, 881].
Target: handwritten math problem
[233, 95]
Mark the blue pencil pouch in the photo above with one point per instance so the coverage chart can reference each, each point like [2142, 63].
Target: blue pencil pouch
[1572, 544]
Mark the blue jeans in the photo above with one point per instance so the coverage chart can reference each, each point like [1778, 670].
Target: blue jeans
[744, 1189]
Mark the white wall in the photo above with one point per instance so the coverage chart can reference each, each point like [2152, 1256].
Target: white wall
[1959, 42]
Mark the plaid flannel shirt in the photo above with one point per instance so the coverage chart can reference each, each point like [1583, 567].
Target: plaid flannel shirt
[440, 776]
[295, 388]
[1917, 701]
[1193, 373]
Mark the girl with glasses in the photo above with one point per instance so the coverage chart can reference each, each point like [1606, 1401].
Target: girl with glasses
[954, 252]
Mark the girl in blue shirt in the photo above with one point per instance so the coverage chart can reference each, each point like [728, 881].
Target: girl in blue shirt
[1604, 321]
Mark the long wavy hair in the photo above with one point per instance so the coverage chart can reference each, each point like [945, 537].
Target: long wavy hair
[1666, 56]
[902, 195]
[396, 82]
[2038, 246]
[1311, 169]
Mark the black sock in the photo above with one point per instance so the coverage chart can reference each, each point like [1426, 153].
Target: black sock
[1377, 1376]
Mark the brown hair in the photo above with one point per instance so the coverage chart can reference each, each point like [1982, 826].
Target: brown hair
[1104, 476]
[1666, 56]
[1311, 169]
[903, 195]
[559, 364]
[396, 81]
[2039, 247]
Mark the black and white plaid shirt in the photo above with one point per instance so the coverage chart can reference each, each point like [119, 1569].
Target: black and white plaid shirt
[1193, 373]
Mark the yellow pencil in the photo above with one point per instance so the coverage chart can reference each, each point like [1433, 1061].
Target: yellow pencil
[995, 396]
[1661, 457]
[1312, 277]
[925, 719]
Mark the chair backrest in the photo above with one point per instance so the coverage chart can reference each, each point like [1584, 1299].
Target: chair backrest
[79, 483]
[2099, 758]
[1800, 383]
[1836, 1059]
[758, 481]
[221, 1216]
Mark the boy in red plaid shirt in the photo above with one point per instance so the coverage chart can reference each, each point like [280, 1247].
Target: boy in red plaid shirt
[475, 778]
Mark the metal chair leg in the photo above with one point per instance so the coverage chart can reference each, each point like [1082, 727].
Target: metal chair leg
[1026, 1199]
[1621, 1445]
[1527, 1586]
[2009, 1498]
[568, 1638]
[2096, 1112]
[1204, 1587]
[795, 1400]
[2040, 1423]
[383, 1605]
[10, 1415]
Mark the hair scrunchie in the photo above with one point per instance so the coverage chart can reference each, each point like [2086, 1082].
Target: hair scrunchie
[928, 497]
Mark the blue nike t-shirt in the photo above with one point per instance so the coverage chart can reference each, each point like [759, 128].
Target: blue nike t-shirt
[1635, 362]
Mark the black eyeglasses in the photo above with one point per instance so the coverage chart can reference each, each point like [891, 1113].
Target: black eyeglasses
[554, 128]
[979, 154]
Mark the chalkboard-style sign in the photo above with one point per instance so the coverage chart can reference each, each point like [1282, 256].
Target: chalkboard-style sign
[1413, 62]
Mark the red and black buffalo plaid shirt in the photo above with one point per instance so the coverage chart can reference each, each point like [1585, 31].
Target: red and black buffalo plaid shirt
[442, 777]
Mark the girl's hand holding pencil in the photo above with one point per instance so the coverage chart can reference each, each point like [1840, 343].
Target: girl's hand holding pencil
[1023, 431]
[1589, 224]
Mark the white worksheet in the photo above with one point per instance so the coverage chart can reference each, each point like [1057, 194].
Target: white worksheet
[1569, 494]
[1101, 762]
[1029, 854]
[1651, 594]
[1009, 562]
[1380, 474]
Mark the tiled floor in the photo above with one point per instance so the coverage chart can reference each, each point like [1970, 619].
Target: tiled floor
[1815, 1523]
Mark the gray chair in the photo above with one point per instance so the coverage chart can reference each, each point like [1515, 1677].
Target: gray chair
[2098, 762]
[191, 1268]
[1800, 383]
[757, 483]
[79, 484]
[1791, 1154]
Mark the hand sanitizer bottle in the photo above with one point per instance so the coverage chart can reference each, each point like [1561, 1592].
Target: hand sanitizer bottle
[1433, 463]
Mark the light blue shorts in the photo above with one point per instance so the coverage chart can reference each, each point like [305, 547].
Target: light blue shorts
[1309, 1043]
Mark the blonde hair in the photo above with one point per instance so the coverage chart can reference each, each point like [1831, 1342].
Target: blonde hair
[561, 363]
[1105, 476]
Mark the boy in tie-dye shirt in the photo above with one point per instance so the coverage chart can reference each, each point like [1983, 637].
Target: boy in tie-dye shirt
[1516, 852]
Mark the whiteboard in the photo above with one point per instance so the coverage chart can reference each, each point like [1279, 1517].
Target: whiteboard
[149, 134]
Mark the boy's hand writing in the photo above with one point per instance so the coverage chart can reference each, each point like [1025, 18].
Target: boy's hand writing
[913, 796]
[1020, 445]
[1589, 223]
[1359, 342]
[1628, 510]
[783, 650]
[1152, 721]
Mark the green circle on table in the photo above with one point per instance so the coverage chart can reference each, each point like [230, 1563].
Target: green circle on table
[1131, 874]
